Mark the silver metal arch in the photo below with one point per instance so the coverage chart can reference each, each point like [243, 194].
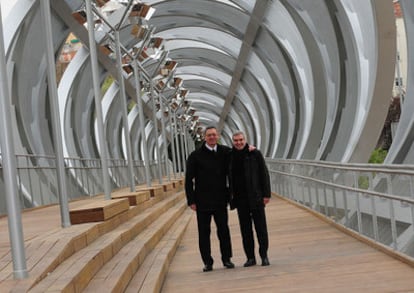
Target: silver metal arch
[324, 57]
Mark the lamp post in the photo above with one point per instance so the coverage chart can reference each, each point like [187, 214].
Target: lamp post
[164, 137]
[53, 98]
[182, 143]
[98, 105]
[172, 135]
[139, 13]
[167, 73]
[186, 138]
[124, 112]
[154, 116]
[117, 43]
[176, 141]
[137, 77]
[9, 171]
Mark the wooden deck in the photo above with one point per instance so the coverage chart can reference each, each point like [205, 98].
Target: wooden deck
[306, 255]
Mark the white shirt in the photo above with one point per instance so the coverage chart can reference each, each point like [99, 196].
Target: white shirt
[212, 148]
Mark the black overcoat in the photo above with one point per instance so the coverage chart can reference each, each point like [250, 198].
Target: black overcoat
[255, 177]
[206, 179]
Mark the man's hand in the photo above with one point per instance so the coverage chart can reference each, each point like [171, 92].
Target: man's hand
[193, 207]
[251, 148]
[266, 200]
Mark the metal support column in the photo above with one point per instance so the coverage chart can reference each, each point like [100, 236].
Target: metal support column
[124, 112]
[182, 143]
[155, 122]
[98, 105]
[186, 144]
[53, 97]
[141, 121]
[177, 145]
[164, 139]
[173, 151]
[10, 172]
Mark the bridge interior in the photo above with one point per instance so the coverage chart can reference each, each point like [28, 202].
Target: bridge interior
[309, 82]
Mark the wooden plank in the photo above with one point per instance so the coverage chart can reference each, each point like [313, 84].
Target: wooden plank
[151, 274]
[98, 210]
[178, 184]
[305, 253]
[155, 191]
[134, 198]
[116, 274]
[168, 186]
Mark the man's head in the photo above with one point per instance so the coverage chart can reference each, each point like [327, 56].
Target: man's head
[239, 140]
[211, 136]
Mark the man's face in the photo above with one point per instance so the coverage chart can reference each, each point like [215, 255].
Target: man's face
[239, 141]
[211, 137]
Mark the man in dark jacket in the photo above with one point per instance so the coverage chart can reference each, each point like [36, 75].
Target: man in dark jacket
[208, 194]
[250, 189]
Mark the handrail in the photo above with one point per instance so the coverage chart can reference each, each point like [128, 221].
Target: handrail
[357, 190]
[374, 201]
[37, 177]
[385, 168]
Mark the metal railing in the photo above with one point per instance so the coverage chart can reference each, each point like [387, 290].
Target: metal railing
[38, 186]
[376, 201]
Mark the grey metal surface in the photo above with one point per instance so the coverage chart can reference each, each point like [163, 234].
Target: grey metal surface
[304, 79]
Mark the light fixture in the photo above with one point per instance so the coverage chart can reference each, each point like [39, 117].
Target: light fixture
[191, 112]
[139, 31]
[154, 47]
[157, 104]
[184, 118]
[80, 16]
[106, 49]
[168, 67]
[127, 69]
[141, 55]
[176, 82]
[160, 85]
[101, 3]
[183, 92]
[174, 105]
[185, 104]
[140, 11]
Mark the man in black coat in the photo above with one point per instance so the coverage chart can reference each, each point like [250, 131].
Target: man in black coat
[250, 189]
[208, 194]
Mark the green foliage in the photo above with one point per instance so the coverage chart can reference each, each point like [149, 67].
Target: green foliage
[131, 104]
[363, 182]
[106, 84]
[378, 156]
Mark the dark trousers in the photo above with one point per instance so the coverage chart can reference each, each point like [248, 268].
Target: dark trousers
[223, 233]
[256, 216]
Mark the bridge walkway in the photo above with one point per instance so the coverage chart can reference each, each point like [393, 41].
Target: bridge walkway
[306, 254]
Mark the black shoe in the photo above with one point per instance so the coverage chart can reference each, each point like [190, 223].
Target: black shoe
[228, 264]
[265, 261]
[208, 268]
[250, 262]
